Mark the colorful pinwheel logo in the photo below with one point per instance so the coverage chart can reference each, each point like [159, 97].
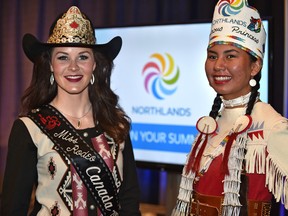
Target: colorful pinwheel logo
[230, 7]
[161, 76]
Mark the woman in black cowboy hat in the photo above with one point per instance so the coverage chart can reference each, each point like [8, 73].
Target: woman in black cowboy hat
[71, 140]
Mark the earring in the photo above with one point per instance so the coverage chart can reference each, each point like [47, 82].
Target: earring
[52, 79]
[252, 82]
[92, 79]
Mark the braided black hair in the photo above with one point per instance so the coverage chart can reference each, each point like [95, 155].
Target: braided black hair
[216, 106]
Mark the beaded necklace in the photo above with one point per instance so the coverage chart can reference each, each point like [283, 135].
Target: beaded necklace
[240, 101]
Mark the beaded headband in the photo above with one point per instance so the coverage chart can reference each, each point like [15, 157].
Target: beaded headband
[238, 24]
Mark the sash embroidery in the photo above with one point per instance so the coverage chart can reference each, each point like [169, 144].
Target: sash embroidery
[79, 194]
[90, 166]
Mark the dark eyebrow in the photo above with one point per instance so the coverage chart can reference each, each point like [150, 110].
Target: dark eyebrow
[61, 52]
[231, 50]
[66, 53]
[211, 51]
[225, 52]
[84, 52]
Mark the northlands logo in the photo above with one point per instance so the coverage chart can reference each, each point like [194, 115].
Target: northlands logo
[160, 76]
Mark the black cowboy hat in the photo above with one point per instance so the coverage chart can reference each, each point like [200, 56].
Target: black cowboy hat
[72, 29]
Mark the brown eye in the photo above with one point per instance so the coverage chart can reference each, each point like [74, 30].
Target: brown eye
[231, 56]
[212, 57]
[83, 57]
[62, 57]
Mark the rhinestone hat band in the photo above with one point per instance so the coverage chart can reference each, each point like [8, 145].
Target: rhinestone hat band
[73, 27]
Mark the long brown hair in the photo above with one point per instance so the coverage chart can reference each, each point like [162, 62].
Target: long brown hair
[107, 112]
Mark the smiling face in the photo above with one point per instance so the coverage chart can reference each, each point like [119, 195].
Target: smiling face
[72, 68]
[229, 69]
